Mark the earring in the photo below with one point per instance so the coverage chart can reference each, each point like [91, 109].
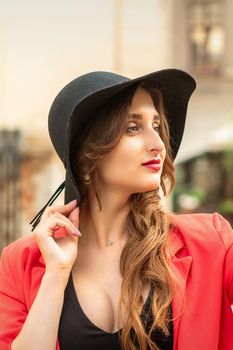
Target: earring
[87, 179]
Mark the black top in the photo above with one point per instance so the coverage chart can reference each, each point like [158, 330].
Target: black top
[77, 332]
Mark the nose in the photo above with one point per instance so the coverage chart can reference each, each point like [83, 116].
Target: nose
[154, 142]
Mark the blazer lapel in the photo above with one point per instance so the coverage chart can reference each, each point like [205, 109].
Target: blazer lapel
[180, 265]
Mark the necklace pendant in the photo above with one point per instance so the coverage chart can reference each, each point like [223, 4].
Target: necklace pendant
[109, 243]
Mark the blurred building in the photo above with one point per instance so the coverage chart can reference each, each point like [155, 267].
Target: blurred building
[205, 184]
[132, 37]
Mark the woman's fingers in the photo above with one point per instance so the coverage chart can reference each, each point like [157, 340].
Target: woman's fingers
[56, 236]
[55, 221]
[67, 220]
[74, 216]
[63, 209]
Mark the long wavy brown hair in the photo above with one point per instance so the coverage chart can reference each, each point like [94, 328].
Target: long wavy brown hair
[144, 258]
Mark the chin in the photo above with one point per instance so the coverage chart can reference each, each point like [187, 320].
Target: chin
[152, 187]
[152, 184]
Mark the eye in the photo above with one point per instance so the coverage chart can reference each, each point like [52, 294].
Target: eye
[157, 128]
[132, 128]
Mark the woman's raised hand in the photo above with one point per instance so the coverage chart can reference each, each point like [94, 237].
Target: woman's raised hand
[57, 237]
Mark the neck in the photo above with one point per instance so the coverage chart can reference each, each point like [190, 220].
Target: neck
[106, 227]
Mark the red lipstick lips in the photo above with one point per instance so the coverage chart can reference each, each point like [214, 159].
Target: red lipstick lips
[153, 164]
[152, 161]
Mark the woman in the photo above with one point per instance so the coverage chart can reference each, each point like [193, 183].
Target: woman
[137, 277]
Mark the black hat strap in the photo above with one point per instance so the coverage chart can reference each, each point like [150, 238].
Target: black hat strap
[37, 218]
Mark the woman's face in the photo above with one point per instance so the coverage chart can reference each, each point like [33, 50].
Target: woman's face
[122, 169]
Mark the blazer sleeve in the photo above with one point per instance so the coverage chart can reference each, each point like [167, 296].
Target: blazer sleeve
[13, 310]
[226, 233]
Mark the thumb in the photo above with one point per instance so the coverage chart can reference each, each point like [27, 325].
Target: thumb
[74, 216]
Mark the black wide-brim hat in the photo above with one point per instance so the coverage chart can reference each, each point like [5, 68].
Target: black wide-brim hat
[78, 101]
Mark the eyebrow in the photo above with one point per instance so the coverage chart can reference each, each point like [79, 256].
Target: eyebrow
[139, 116]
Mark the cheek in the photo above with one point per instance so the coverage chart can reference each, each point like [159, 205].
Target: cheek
[123, 159]
[128, 155]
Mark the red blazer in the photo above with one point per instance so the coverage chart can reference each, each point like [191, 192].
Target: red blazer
[201, 247]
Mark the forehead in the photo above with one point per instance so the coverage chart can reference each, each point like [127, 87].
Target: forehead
[137, 116]
[142, 104]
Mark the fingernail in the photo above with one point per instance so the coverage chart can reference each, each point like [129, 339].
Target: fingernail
[77, 233]
[74, 201]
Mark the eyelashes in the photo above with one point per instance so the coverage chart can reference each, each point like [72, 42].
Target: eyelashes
[131, 129]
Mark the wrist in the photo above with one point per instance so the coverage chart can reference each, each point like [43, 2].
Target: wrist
[57, 278]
